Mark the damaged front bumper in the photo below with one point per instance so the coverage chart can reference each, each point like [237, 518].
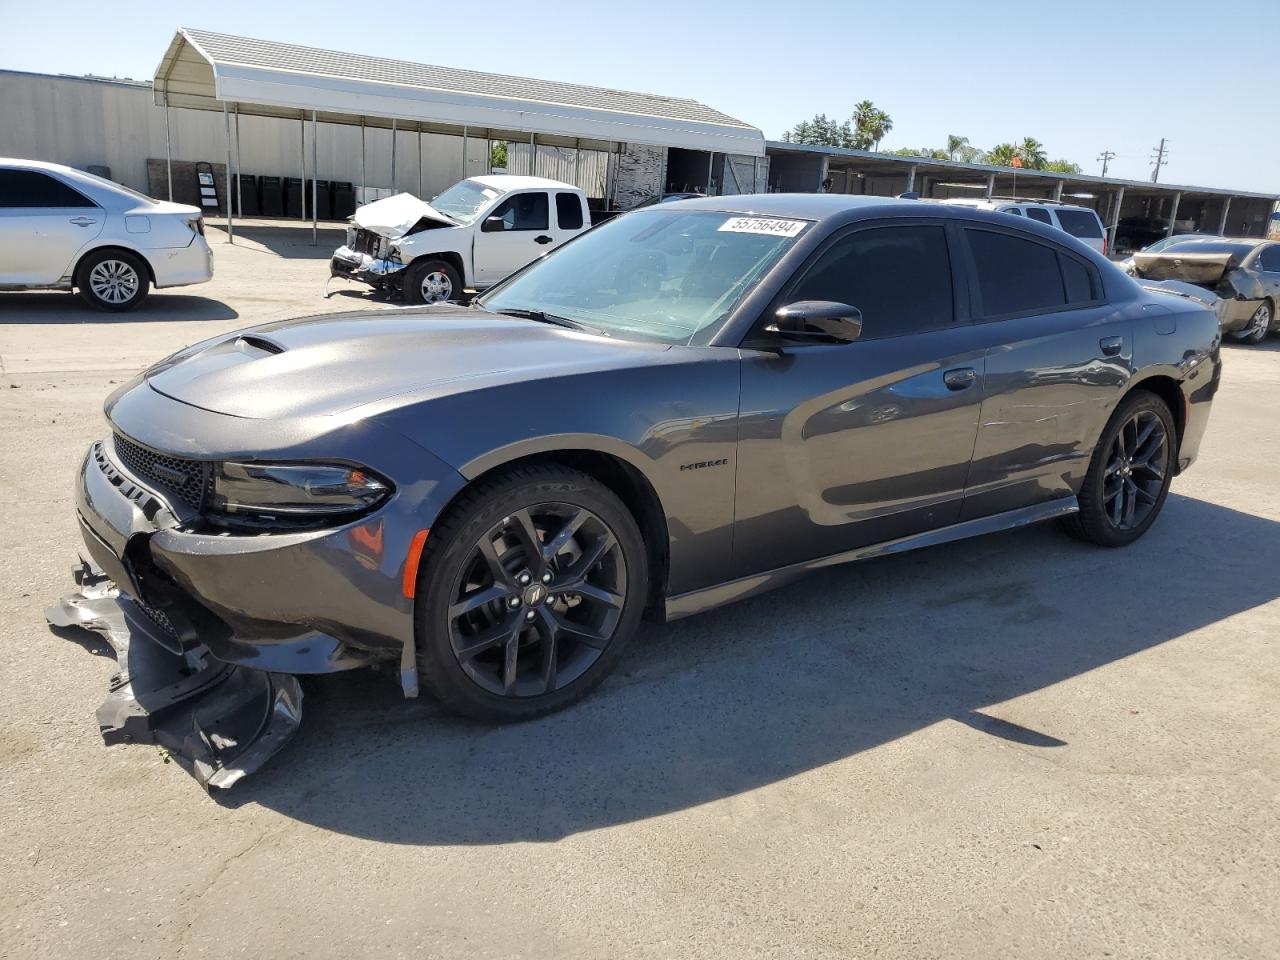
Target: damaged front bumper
[218, 720]
[354, 265]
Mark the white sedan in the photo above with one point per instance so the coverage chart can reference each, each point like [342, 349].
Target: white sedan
[62, 228]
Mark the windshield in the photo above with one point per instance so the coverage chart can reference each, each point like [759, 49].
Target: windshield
[464, 201]
[657, 274]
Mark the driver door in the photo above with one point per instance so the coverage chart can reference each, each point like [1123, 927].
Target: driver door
[845, 445]
[517, 232]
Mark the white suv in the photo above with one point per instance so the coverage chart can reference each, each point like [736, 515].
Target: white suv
[62, 228]
[1082, 223]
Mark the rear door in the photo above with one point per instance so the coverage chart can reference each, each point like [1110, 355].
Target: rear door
[44, 223]
[520, 234]
[844, 445]
[1057, 358]
[570, 217]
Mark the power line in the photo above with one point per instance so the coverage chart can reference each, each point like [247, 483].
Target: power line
[1158, 158]
[1105, 157]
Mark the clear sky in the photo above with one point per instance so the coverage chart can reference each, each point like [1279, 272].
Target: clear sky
[1081, 77]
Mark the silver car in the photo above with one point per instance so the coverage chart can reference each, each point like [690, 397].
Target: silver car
[62, 228]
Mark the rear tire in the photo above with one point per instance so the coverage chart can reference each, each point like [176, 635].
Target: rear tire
[1129, 474]
[529, 590]
[113, 280]
[431, 281]
[1259, 324]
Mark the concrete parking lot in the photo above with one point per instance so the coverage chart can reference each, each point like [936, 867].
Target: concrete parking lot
[1014, 746]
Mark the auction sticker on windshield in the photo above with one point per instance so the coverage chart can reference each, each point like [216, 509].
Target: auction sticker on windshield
[771, 226]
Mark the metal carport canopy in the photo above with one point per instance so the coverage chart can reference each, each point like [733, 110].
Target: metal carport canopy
[204, 70]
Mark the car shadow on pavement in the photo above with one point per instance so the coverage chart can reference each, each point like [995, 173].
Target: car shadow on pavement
[848, 660]
[62, 306]
[290, 241]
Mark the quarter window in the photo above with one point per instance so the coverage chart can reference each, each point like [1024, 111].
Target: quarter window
[524, 211]
[1078, 280]
[568, 211]
[1269, 259]
[899, 277]
[30, 188]
[1015, 275]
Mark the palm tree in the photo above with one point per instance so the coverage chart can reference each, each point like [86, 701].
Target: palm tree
[870, 124]
[1032, 153]
[955, 144]
[1001, 155]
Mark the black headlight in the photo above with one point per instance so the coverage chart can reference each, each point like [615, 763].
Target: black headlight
[294, 494]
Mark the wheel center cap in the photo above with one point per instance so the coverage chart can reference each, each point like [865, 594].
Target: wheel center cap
[534, 594]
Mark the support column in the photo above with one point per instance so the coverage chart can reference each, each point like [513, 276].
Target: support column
[991, 185]
[711, 161]
[1057, 191]
[302, 177]
[533, 154]
[394, 138]
[364, 180]
[911, 178]
[577, 163]
[168, 150]
[464, 155]
[239, 192]
[315, 173]
[1222, 221]
[1173, 214]
[1115, 219]
[226, 124]
[420, 161]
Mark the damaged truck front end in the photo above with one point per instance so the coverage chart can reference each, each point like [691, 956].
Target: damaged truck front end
[371, 253]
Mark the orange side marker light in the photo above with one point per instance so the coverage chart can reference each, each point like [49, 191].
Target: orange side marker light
[411, 563]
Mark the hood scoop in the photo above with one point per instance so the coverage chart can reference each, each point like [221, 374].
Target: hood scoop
[251, 343]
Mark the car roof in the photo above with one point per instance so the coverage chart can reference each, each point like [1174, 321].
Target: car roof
[506, 181]
[799, 206]
[997, 202]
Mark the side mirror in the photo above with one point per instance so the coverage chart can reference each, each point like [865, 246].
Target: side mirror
[493, 225]
[822, 320]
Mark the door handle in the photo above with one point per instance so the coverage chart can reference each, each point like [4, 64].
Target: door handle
[542, 239]
[959, 379]
[1111, 345]
[83, 221]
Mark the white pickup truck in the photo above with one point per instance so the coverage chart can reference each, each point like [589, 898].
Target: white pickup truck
[469, 237]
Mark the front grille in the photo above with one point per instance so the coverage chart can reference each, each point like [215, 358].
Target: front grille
[188, 480]
[368, 242]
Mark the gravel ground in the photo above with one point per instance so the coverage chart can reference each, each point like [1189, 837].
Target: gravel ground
[1014, 746]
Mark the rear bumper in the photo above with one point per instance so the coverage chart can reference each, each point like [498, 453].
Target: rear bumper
[182, 266]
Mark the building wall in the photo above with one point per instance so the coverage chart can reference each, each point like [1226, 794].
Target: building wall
[82, 122]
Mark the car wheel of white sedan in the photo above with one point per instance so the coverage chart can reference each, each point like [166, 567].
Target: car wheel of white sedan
[112, 280]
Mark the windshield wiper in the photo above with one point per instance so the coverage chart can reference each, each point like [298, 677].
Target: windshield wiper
[541, 316]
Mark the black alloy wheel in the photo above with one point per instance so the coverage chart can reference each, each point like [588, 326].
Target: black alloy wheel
[1129, 476]
[538, 600]
[530, 588]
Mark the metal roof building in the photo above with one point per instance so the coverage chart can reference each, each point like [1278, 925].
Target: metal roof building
[204, 70]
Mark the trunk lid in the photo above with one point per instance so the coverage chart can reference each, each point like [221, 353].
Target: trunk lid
[1202, 269]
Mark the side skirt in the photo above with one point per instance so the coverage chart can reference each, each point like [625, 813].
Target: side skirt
[687, 604]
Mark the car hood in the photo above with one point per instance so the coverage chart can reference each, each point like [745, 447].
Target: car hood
[393, 217]
[337, 364]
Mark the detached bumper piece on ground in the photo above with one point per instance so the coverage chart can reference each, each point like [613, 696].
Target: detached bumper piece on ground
[217, 720]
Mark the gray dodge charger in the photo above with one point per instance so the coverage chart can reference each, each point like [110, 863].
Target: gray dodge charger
[691, 404]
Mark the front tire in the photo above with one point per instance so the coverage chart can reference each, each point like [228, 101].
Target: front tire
[113, 280]
[1129, 475]
[528, 593]
[431, 281]
[1259, 325]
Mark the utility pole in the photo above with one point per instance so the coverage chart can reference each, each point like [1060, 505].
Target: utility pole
[1158, 160]
[1106, 157]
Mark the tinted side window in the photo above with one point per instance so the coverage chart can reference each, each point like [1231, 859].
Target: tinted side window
[1078, 280]
[899, 277]
[1014, 275]
[1080, 223]
[568, 211]
[1013, 210]
[1041, 214]
[30, 188]
[1269, 259]
[524, 211]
